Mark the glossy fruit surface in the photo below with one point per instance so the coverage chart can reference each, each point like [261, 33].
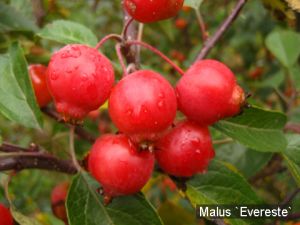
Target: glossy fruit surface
[143, 104]
[118, 166]
[147, 11]
[79, 79]
[205, 92]
[37, 74]
[185, 150]
[58, 199]
[5, 216]
[236, 101]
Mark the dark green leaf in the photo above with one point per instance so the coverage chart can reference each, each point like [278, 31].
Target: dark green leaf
[14, 20]
[285, 46]
[85, 207]
[17, 100]
[257, 129]
[68, 32]
[247, 161]
[292, 155]
[221, 185]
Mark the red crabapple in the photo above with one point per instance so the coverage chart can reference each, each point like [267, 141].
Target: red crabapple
[208, 92]
[37, 74]
[5, 216]
[142, 105]
[147, 11]
[79, 79]
[58, 199]
[115, 162]
[185, 150]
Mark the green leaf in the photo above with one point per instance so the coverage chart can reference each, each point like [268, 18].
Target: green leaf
[292, 155]
[247, 161]
[23, 6]
[68, 32]
[257, 129]
[193, 3]
[23, 220]
[10, 22]
[85, 207]
[294, 72]
[221, 185]
[285, 46]
[175, 214]
[273, 81]
[17, 99]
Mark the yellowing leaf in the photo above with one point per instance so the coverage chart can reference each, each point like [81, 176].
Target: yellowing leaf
[294, 4]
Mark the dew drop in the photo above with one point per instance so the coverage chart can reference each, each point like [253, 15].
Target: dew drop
[198, 151]
[84, 77]
[129, 112]
[160, 104]
[54, 75]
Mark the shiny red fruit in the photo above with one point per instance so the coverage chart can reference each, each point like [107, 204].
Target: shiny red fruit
[118, 166]
[5, 216]
[205, 93]
[58, 199]
[236, 101]
[185, 150]
[147, 11]
[37, 74]
[79, 79]
[143, 104]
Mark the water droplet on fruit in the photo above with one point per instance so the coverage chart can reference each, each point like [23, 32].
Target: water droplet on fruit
[160, 104]
[84, 77]
[155, 123]
[198, 151]
[161, 95]
[129, 112]
[54, 75]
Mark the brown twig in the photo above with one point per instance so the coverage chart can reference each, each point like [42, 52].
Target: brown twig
[130, 52]
[202, 26]
[80, 132]
[211, 42]
[294, 127]
[274, 166]
[290, 197]
[39, 11]
[37, 160]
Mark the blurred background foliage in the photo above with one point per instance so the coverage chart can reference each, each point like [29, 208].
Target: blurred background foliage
[246, 48]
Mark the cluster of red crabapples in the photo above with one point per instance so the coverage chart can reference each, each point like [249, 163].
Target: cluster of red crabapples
[143, 106]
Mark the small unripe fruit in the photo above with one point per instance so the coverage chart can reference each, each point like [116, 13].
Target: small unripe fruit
[58, 199]
[5, 216]
[79, 79]
[185, 151]
[181, 23]
[147, 11]
[143, 104]
[37, 74]
[118, 166]
[208, 92]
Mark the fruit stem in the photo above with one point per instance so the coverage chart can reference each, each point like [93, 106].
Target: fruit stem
[116, 37]
[201, 25]
[121, 60]
[223, 141]
[72, 149]
[159, 53]
[128, 22]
